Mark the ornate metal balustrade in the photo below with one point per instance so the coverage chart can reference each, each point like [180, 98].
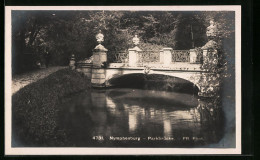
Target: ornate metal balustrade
[180, 56]
[153, 56]
[149, 56]
[118, 57]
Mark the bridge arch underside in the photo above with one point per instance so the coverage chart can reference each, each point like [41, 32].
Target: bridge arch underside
[159, 81]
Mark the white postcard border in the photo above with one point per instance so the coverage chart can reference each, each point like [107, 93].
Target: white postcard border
[120, 151]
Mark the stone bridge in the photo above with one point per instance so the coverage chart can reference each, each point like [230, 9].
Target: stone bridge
[184, 64]
[100, 77]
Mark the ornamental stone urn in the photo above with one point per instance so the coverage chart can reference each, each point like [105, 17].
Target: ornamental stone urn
[212, 30]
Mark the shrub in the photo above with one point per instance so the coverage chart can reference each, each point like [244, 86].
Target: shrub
[35, 109]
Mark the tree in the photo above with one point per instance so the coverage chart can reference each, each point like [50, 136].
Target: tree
[26, 27]
[63, 33]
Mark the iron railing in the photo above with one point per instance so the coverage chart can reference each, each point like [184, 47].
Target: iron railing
[118, 56]
[180, 56]
[153, 56]
[149, 56]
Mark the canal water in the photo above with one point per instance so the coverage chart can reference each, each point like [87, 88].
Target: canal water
[135, 117]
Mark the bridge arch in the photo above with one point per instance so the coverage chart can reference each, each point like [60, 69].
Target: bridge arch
[163, 79]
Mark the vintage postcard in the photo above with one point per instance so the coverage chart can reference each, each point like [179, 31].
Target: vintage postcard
[122, 80]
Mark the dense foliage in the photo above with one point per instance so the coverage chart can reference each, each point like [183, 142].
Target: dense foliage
[62, 33]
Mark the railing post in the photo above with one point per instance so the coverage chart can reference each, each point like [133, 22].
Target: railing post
[98, 72]
[167, 56]
[132, 57]
[193, 56]
[99, 56]
[161, 56]
[72, 62]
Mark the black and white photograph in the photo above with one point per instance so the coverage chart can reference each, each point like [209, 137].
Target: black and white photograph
[122, 80]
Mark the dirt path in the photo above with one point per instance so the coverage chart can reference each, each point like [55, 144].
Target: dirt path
[19, 81]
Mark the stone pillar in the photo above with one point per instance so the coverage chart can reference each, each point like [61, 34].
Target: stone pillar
[167, 56]
[99, 56]
[132, 57]
[193, 56]
[72, 62]
[98, 77]
[161, 56]
[209, 81]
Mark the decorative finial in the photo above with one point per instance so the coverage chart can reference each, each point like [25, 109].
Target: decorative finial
[72, 56]
[100, 37]
[212, 30]
[136, 40]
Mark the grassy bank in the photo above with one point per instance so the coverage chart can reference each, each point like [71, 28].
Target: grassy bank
[34, 108]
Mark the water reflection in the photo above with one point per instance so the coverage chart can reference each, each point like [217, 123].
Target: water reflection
[167, 127]
[141, 113]
[132, 122]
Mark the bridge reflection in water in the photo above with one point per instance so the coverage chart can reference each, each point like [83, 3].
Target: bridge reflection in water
[140, 113]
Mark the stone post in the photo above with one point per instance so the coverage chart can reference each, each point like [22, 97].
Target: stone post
[161, 56]
[193, 56]
[167, 56]
[209, 82]
[72, 62]
[98, 77]
[99, 56]
[132, 57]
